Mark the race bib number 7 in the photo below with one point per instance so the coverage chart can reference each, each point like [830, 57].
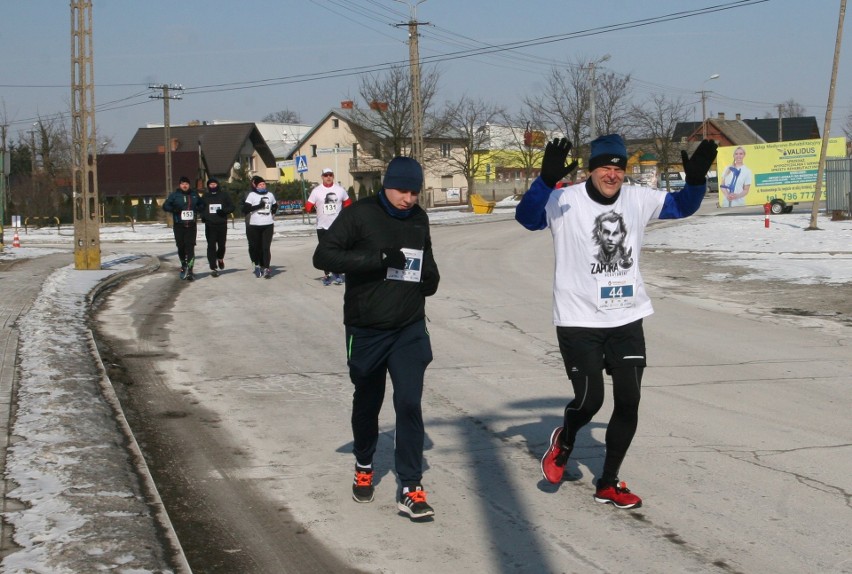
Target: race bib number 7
[413, 266]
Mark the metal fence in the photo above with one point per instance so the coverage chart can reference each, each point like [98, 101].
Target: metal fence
[838, 185]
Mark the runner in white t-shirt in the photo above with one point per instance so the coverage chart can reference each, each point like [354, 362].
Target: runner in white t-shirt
[329, 198]
[599, 298]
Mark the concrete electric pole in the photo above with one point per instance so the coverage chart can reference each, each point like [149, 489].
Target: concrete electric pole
[593, 120]
[416, 98]
[826, 128]
[84, 161]
[167, 149]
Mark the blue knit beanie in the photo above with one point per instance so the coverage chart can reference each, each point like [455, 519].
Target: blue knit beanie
[608, 150]
[404, 174]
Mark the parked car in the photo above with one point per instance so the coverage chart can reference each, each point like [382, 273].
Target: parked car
[672, 181]
[712, 185]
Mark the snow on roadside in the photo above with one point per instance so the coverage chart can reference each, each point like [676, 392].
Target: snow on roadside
[68, 463]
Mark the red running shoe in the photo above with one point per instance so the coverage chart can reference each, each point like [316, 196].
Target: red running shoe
[617, 495]
[554, 460]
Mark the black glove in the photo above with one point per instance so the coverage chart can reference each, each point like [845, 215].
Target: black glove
[698, 165]
[393, 258]
[219, 212]
[274, 208]
[553, 166]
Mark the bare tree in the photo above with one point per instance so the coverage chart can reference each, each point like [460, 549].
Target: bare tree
[563, 103]
[284, 116]
[566, 98]
[792, 109]
[656, 120]
[526, 135]
[388, 112]
[789, 109]
[467, 120]
[38, 186]
[847, 126]
[613, 95]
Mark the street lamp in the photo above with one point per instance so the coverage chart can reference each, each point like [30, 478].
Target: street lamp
[704, 107]
[592, 120]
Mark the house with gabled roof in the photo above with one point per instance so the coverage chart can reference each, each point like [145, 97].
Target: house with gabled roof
[229, 149]
[134, 184]
[358, 156]
[739, 131]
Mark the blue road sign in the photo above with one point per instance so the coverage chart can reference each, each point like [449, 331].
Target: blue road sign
[301, 163]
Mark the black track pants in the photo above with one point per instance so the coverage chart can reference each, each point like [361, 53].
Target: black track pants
[372, 354]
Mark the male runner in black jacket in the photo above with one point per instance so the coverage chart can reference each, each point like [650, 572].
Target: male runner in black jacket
[383, 245]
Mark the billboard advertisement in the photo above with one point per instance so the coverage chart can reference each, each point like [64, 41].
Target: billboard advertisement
[759, 173]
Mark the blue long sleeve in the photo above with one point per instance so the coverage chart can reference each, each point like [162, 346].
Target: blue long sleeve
[530, 211]
[682, 203]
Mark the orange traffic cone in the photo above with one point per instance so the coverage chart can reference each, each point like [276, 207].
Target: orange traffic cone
[16, 241]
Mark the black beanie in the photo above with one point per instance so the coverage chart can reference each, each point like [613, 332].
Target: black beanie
[212, 180]
[257, 180]
[608, 150]
[405, 174]
[184, 179]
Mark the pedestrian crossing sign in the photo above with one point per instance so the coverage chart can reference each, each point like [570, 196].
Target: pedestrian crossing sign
[301, 163]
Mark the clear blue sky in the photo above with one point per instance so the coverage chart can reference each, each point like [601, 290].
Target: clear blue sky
[765, 52]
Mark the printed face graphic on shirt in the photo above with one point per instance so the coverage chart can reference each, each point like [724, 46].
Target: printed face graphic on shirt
[609, 235]
[331, 198]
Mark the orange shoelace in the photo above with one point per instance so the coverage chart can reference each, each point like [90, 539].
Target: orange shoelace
[364, 478]
[417, 495]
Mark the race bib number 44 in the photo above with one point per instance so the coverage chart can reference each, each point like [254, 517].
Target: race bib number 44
[413, 266]
[615, 293]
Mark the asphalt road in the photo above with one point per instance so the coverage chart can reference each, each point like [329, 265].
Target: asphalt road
[239, 394]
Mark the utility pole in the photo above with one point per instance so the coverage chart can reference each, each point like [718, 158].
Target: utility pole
[780, 131]
[167, 149]
[593, 127]
[4, 174]
[704, 107]
[84, 161]
[416, 100]
[828, 110]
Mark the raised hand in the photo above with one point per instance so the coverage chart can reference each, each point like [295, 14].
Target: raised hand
[553, 166]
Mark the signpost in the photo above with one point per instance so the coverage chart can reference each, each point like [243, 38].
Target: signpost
[301, 168]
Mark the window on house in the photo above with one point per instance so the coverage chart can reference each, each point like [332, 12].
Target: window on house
[313, 150]
[445, 150]
[335, 123]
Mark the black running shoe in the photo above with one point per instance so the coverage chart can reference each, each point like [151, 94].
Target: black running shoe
[413, 503]
[362, 486]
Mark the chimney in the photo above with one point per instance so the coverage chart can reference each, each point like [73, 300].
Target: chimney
[721, 115]
[739, 116]
[378, 106]
[347, 104]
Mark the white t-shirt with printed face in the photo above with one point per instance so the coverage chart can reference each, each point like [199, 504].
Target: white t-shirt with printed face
[328, 202]
[262, 216]
[597, 282]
